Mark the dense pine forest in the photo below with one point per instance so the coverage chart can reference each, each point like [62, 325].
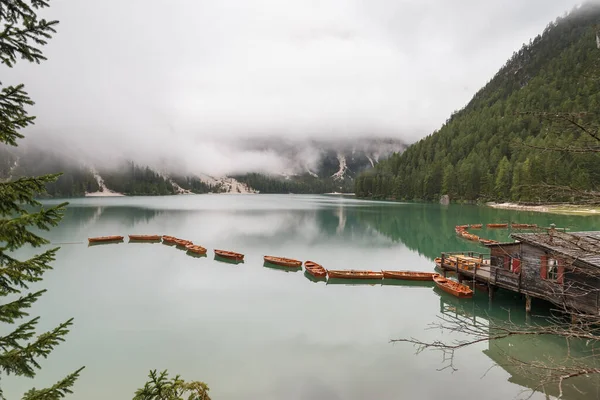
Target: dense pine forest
[135, 180]
[305, 184]
[78, 179]
[505, 144]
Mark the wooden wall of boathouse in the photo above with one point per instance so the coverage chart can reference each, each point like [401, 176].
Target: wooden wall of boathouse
[571, 286]
[526, 268]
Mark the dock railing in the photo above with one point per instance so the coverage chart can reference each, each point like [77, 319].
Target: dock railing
[460, 260]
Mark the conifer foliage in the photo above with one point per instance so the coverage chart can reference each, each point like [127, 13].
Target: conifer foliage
[160, 387]
[529, 135]
[21, 37]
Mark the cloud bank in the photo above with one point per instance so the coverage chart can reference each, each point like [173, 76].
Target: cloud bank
[153, 79]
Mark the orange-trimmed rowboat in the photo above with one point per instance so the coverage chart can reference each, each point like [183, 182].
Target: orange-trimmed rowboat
[408, 275]
[487, 241]
[452, 287]
[145, 237]
[497, 225]
[476, 226]
[353, 274]
[469, 236]
[183, 242]
[169, 239]
[105, 239]
[192, 248]
[315, 269]
[517, 226]
[229, 254]
[284, 262]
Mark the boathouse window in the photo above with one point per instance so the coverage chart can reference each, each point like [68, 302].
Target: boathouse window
[552, 269]
[552, 273]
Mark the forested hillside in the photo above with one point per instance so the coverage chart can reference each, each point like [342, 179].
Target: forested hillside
[306, 184]
[75, 180]
[493, 148]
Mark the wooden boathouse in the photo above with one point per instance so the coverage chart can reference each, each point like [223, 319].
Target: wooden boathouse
[560, 267]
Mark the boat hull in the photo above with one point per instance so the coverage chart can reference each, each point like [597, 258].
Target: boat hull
[497, 225]
[104, 239]
[315, 269]
[145, 238]
[283, 262]
[230, 255]
[454, 288]
[408, 275]
[339, 274]
[195, 249]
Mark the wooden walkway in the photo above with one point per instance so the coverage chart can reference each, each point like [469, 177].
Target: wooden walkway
[476, 267]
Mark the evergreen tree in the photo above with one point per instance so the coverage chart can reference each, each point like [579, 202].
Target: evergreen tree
[503, 173]
[524, 136]
[20, 350]
[160, 387]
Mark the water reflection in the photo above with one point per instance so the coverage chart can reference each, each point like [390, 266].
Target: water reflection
[227, 260]
[281, 268]
[516, 354]
[227, 316]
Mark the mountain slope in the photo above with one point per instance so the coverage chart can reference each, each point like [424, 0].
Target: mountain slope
[486, 150]
[310, 167]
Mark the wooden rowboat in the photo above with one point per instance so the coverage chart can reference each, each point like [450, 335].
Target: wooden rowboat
[461, 227]
[150, 238]
[476, 226]
[183, 242]
[229, 254]
[497, 225]
[284, 262]
[353, 274]
[315, 269]
[487, 241]
[409, 275]
[470, 236]
[192, 248]
[169, 239]
[452, 287]
[519, 226]
[105, 239]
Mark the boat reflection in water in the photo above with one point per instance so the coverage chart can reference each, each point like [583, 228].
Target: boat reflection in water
[195, 255]
[281, 268]
[353, 282]
[314, 279]
[227, 260]
[398, 282]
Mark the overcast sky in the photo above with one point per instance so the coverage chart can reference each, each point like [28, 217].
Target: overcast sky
[152, 77]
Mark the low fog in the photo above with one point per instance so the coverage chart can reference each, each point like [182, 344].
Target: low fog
[184, 84]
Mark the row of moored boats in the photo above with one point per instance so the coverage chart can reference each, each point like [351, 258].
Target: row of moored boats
[170, 240]
[312, 268]
[462, 231]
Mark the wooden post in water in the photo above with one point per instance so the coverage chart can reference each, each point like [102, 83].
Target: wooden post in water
[442, 264]
[527, 304]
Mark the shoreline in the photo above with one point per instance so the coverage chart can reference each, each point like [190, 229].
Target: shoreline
[565, 209]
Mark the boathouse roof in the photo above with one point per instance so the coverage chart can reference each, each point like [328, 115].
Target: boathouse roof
[579, 246]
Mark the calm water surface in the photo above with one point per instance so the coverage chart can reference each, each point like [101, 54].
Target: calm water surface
[252, 332]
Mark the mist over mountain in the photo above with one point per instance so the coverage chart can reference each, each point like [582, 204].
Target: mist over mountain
[321, 165]
[181, 86]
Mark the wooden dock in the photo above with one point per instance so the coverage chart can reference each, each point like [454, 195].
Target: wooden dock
[477, 268]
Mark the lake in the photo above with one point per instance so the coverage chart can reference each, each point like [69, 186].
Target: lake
[253, 332]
